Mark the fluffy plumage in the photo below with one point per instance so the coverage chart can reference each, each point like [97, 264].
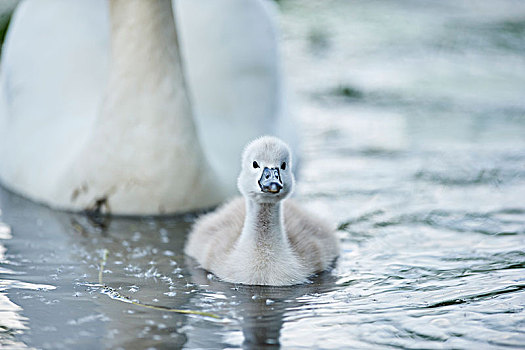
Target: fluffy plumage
[259, 239]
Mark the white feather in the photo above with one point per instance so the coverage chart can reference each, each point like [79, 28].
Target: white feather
[73, 129]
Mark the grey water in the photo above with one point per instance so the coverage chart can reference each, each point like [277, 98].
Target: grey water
[412, 117]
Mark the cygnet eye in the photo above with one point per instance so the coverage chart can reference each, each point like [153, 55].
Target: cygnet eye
[255, 164]
[283, 166]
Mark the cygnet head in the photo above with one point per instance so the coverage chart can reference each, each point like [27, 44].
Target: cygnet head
[266, 171]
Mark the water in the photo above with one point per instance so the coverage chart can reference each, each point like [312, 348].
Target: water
[413, 121]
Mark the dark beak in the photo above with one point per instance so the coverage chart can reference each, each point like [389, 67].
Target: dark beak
[270, 180]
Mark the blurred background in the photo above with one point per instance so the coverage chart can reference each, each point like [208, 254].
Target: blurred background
[411, 116]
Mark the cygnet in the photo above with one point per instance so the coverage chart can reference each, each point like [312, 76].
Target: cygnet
[263, 238]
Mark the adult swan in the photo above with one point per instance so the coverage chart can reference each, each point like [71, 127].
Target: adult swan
[94, 107]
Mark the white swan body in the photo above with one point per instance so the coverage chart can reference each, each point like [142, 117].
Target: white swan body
[231, 58]
[79, 125]
[259, 239]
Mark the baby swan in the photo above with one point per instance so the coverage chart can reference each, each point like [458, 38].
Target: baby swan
[261, 239]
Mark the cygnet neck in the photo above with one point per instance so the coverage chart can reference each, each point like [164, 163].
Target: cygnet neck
[264, 227]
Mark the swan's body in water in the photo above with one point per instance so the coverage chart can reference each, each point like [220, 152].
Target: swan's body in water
[95, 104]
[262, 239]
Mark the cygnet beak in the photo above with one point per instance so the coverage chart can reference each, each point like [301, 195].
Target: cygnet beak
[270, 180]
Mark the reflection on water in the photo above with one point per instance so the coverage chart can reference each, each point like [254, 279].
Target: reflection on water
[11, 322]
[412, 118]
[145, 264]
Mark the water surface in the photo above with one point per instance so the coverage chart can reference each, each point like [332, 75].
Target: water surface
[413, 123]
